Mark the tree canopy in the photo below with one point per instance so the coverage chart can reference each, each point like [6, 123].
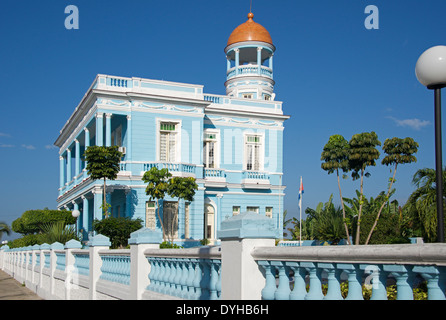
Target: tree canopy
[103, 163]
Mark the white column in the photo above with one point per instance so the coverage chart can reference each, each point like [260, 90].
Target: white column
[85, 213]
[237, 61]
[128, 153]
[68, 165]
[259, 60]
[62, 172]
[108, 129]
[99, 129]
[78, 158]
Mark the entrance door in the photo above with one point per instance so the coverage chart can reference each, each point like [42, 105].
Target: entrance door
[209, 221]
[170, 211]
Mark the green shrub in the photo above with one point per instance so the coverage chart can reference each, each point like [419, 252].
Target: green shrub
[59, 232]
[420, 293]
[117, 229]
[27, 240]
[169, 245]
[33, 221]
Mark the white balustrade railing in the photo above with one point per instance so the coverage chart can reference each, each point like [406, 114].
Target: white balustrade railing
[247, 265]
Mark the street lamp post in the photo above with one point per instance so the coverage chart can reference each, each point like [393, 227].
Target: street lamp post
[76, 213]
[431, 72]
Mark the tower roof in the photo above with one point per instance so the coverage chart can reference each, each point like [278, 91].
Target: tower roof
[249, 31]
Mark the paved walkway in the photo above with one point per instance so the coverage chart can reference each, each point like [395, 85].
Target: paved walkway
[11, 289]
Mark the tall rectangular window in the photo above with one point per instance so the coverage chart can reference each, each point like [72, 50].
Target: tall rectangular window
[150, 215]
[210, 150]
[235, 210]
[269, 212]
[253, 147]
[186, 220]
[168, 142]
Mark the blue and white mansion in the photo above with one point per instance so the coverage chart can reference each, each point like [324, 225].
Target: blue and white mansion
[232, 144]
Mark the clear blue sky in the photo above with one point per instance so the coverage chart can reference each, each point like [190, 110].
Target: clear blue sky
[333, 75]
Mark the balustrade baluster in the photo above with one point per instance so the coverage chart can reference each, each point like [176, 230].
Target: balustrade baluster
[213, 281]
[205, 279]
[184, 277]
[378, 280]
[178, 275]
[166, 275]
[158, 275]
[197, 279]
[270, 280]
[190, 279]
[283, 291]
[171, 279]
[218, 285]
[299, 291]
[315, 291]
[354, 281]
[435, 277]
[404, 280]
[333, 281]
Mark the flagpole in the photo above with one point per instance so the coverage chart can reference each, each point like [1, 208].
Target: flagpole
[300, 215]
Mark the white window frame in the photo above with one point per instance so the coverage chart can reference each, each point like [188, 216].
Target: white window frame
[269, 212]
[209, 221]
[261, 150]
[178, 125]
[247, 95]
[253, 209]
[216, 147]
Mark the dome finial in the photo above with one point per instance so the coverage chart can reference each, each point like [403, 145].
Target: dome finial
[250, 15]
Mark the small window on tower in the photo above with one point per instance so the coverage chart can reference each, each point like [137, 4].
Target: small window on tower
[267, 97]
[247, 95]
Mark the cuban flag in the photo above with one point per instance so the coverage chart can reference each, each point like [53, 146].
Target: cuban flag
[301, 191]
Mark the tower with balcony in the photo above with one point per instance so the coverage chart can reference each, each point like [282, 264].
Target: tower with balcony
[249, 53]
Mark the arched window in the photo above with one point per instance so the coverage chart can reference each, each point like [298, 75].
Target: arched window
[209, 213]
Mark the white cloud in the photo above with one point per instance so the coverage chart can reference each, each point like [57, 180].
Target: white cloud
[49, 147]
[28, 146]
[2, 134]
[6, 146]
[415, 123]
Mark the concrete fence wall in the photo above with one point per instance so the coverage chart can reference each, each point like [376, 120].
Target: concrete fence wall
[247, 265]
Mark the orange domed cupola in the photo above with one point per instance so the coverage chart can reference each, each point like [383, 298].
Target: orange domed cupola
[249, 31]
[249, 60]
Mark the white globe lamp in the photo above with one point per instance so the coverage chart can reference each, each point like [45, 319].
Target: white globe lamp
[75, 213]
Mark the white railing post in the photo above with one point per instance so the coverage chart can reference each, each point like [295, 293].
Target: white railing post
[139, 241]
[69, 266]
[41, 289]
[53, 264]
[3, 257]
[241, 278]
[96, 244]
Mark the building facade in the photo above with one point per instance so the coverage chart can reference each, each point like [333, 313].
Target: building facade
[232, 144]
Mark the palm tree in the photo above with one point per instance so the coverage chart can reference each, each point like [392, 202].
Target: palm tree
[421, 204]
[4, 228]
[399, 151]
[327, 221]
[335, 157]
[285, 223]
